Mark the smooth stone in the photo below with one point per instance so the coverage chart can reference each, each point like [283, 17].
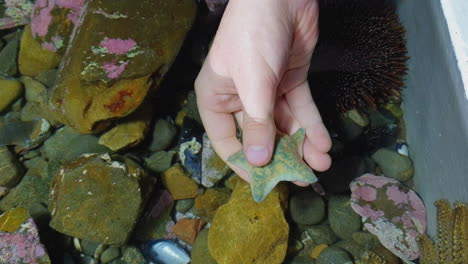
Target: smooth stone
[200, 252]
[86, 260]
[10, 169]
[357, 117]
[101, 185]
[34, 58]
[334, 255]
[35, 91]
[321, 234]
[366, 240]
[307, 208]
[47, 77]
[394, 165]
[343, 220]
[129, 132]
[31, 154]
[164, 133]
[110, 254]
[350, 246]
[132, 255]
[206, 204]
[165, 252]
[213, 168]
[77, 143]
[32, 111]
[8, 57]
[241, 225]
[184, 205]
[342, 171]
[178, 183]
[160, 161]
[28, 164]
[10, 91]
[187, 229]
[89, 247]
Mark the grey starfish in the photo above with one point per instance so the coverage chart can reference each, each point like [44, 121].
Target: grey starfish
[286, 165]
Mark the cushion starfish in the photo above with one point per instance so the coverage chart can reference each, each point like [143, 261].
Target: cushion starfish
[286, 165]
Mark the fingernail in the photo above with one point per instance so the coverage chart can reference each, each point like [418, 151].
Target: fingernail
[257, 154]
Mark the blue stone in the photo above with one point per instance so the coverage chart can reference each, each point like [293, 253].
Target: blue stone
[164, 251]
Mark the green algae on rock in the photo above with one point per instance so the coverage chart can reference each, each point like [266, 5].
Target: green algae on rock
[110, 190]
[286, 165]
[106, 72]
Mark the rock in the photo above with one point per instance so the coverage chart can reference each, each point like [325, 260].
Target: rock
[156, 222]
[35, 91]
[31, 154]
[231, 181]
[160, 161]
[207, 203]
[129, 132]
[350, 246]
[192, 108]
[3, 191]
[366, 240]
[164, 133]
[190, 147]
[343, 220]
[15, 13]
[24, 135]
[10, 169]
[23, 245]
[183, 206]
[95, 187]
[86, 260]
[387, 255]
[131, 255]
[165, 251]
[357, 117]
[12, 219]
[8, 57]
[10, 91]
[395, 109]
[321, 234]
[187, 229]
[110, 254]
[33, 188]
[242, 224]
[307, 208]
[334, 255]
[32, 111]
[200, 252]
[213, 168]
[106, 72]
[34, 58]
[391, 211]
[89, 247]
[343, 170]
[47, 77]
[179, 184]
[349, 129]
[77, 145]
[393, 164]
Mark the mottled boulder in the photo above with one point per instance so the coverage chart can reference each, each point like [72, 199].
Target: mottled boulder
[258, 231]
[109, 190]
[106, 72]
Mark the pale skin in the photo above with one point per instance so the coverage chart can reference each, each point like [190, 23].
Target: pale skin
[256, 72]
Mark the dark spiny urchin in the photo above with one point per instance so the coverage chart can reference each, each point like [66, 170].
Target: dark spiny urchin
[360, 58]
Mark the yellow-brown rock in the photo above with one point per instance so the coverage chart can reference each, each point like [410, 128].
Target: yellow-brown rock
[11, 220]
[207, 203]
[116, 48]
[178, 183]
[10, 90]
[33, 58]
[129, 132]
[246, 232]
[187, 229]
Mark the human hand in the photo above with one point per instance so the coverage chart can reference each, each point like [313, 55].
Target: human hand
[256, 71]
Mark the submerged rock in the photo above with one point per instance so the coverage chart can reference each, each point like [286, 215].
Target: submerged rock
[242, 224]
[343, 220]
[187, 229]
[391, 211]
[107, 70]
[179, 184]
[334, 255]
[10, 169]
[207, 203]
[10, 91]
[164, 133]
[8, 57]
[393, 164]
[95, 187]
[307, 208]
[15, 13]
[160, 161]
[200, 252]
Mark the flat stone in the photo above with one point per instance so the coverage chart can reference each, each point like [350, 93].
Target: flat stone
[8, 57]
[187, 229]
[178, 183]
[10, 91]
[183, 206]
[110, 254]
[307, 208]
[200, 252]
[160, 161]
[164, 133]
[95, 187]
[343, 220]
[213, 168]
[207, 203]
[242, 224]
[10, 169]
[334, 255]
[394, 165]
[33, 58]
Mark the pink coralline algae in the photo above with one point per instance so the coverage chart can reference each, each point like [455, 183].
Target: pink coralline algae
[42, 17]
[118, 46]
[391, 211]
[17, 13]
[113, 70]
[22, 246]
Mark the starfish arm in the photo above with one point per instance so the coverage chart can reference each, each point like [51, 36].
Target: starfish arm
[298, 138]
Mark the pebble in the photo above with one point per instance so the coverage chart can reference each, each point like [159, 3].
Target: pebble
[321, 234]
[184, 205]
[110, 254]
[178, 183]
[35, 91]
[88, 247]
[187, 229]
[353, 248]
[10, 169]
[8, 57]
[343, 220]
[307, 208]
[10, 91]
[334, 255]
[394, 165]
[160, 161]
[165, 251]
[164, 133]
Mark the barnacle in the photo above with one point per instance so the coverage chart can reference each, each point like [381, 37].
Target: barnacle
[452, 240]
